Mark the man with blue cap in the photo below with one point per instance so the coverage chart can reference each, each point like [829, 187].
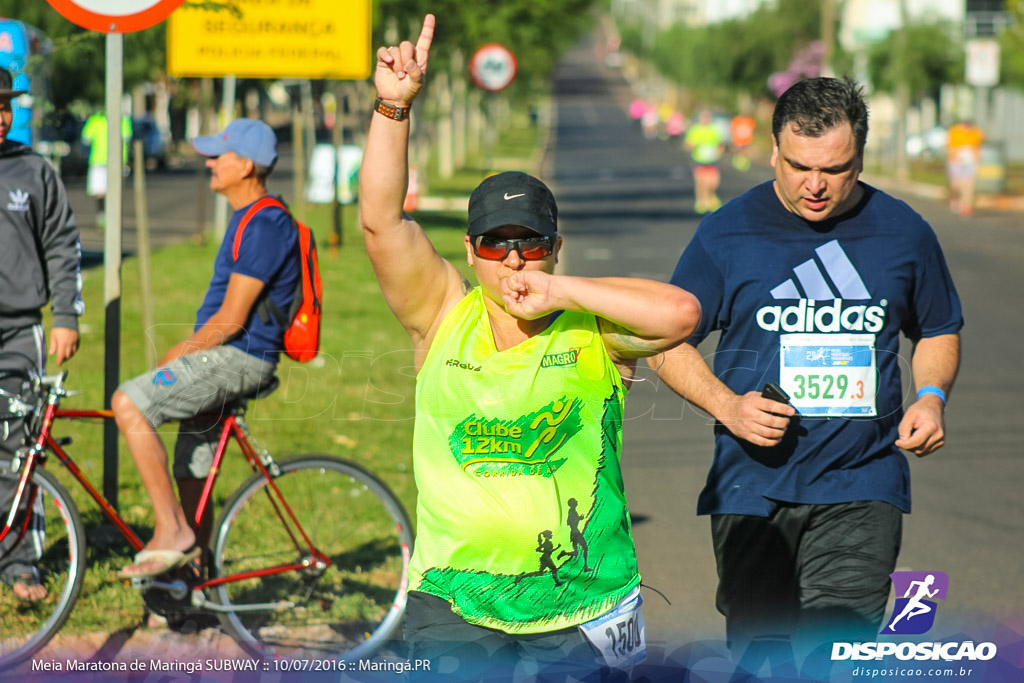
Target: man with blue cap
[232, 351]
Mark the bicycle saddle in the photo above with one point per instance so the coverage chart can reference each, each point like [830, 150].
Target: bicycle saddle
[263, 390]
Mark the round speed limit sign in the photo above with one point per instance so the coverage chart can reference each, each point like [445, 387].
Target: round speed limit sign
[493, 67]
[115, 16]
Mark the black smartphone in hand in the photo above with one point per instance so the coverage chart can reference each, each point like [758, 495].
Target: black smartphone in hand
[774, 392]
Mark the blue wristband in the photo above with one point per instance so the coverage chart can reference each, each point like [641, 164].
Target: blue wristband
[932, 389]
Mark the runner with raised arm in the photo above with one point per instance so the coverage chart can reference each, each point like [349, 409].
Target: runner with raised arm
[519, 400]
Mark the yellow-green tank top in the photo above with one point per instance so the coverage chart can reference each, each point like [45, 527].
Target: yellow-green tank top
[522, 523]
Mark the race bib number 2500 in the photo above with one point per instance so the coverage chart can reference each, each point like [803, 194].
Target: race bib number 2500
[619, 635]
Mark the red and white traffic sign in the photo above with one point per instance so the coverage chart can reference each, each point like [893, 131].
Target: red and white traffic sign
[115, 16]
[493, 67]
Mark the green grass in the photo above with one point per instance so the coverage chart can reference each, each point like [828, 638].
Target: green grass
[356, 401]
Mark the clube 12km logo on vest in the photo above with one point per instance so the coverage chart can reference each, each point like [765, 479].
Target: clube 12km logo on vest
[917, 596]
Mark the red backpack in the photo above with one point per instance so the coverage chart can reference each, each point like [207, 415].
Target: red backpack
[302, 324]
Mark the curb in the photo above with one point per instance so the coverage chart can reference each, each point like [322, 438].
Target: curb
[442, 204]
[996, 202]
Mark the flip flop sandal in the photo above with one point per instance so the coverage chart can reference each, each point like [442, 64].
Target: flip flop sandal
[168, 559]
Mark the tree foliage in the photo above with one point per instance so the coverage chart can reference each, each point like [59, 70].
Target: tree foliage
[538, 32]
[738, 54]
[78, 59]
[1011, 45]
[932, 56]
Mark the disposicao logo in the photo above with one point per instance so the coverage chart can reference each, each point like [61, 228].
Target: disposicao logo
[916, 595]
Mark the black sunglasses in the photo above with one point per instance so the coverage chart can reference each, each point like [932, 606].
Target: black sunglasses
[495, 248]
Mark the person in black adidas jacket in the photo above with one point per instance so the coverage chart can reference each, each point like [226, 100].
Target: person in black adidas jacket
[39, 262]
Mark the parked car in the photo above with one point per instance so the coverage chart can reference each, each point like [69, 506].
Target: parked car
[155, 142]
[929, 145]
[60, 140]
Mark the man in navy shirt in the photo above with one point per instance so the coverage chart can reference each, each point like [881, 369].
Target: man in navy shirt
[232, 352]
[811, 279]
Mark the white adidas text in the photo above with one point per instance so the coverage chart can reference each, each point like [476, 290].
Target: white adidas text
[803, 317]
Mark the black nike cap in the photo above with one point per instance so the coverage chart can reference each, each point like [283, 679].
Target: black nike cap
[513, 198]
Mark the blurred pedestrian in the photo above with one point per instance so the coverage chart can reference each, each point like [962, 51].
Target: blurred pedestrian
[742, 128]
[520, 388]
[676, 125]
[964, 157]
[811, 279]
[94, 134]
[41, 262]
[706, 146]
[665, 110]
[649, 120]
[637, 108]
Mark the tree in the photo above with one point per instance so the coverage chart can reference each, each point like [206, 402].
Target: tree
[737, 55]
[78, 57]
[538, 32]
[934, 56]
[1011, 44]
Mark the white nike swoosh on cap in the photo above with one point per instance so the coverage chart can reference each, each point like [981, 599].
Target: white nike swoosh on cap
[513, 196]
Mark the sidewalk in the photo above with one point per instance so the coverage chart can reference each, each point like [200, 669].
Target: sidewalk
[996, 202]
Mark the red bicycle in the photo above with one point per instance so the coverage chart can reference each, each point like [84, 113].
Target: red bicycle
[309, 557]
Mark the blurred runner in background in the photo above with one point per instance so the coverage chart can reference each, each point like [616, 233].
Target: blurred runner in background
[705, 144]
[964, 157]
[742, 126]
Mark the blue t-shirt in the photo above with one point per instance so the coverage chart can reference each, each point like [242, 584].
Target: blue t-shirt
[269, 252]
[805, 303]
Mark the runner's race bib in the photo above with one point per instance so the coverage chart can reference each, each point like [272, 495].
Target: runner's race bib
[619, 635]
[829, 375]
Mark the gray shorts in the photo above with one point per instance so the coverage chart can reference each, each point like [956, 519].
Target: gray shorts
[204, 384]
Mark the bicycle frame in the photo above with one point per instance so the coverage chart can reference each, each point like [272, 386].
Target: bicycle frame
[233, 427]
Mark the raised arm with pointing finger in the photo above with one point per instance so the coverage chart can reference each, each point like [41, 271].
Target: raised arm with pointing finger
[519, 401]
[639, 317]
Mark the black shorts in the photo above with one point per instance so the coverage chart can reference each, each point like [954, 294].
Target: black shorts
[820, 571]
[460, 651]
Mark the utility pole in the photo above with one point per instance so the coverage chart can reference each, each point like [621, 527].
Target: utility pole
[902, 96]
[828, 35]
[112, 257]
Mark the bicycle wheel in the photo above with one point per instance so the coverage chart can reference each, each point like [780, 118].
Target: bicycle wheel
[26, 626]
[350, 608]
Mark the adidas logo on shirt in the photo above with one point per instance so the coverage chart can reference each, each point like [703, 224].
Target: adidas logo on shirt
[831, 278]
[19, 200]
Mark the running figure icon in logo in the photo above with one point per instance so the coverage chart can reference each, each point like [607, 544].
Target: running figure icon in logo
[546, 549]
[914, 613]
[579, 541]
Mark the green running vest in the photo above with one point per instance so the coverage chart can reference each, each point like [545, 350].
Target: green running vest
[522, 523]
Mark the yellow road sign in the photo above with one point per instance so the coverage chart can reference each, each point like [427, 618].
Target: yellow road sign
[271, 39]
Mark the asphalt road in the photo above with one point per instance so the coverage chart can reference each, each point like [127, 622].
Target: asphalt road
[173, 201]
[626, 208]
